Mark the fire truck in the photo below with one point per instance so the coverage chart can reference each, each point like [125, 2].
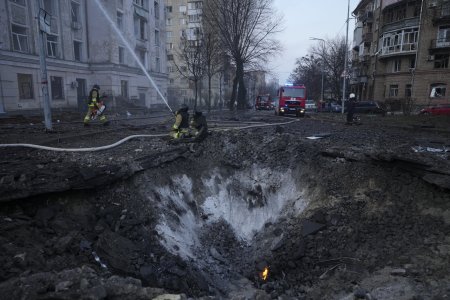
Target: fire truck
[291, 100]
[263, 102]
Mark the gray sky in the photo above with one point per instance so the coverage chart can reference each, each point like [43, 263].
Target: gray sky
[304, 19]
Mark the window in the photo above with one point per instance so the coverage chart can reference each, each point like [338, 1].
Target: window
[182, 8]
[20, 38]
[141, 54]
[438, 90]
[120, 20]
[121, 55]
[170, 57]
[393, 90]
[195, 5]
[156, 8]
[77, 47]
[169, 46]
[170, 69]
[169, 9]
[157, 38]
[139, 28]
[408, 91]
[124, 88]
[441, 61]
[397, 64]
[168, 22]
[120, 4]
[183, 21]
[194, 18]
[141, 3]
[443, 36]
[56, 84]
[169, 34]
[25, 82]
[52, 45]
[157, 64]
[75, 11]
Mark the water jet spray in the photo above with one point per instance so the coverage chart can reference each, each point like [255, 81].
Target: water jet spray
[136, 58]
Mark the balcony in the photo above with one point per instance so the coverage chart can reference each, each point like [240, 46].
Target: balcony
[401, 49]
[443, 43]
[405, 23]
[441, 14]
[367, 37]
[367, 17]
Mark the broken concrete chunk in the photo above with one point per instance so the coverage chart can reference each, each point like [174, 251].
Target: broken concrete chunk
[309, 227]
[398, 272]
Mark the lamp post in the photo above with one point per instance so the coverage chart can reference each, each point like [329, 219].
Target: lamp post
[346, 61]
[323, 63]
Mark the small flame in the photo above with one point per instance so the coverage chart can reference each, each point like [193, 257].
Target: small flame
[265, 273]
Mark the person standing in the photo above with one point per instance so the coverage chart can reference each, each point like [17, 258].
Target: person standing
[351, 109]
[96, 107]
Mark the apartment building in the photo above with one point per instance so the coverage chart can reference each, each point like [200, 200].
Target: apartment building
[401, 52]
[82, 49]
[184, 20]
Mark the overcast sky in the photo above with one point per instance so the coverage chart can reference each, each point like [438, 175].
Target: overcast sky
[304, 19]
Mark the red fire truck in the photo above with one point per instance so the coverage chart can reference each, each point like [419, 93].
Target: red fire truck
[292, 99]
[263, 102]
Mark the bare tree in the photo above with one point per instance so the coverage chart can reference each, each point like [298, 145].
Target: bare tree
[212, 56]
[308, 68]
[192, 55]
[247, 29]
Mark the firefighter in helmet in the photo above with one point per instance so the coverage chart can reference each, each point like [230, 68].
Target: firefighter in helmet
[181, 127]
[199, 127]
[96, 107]
[351, 108]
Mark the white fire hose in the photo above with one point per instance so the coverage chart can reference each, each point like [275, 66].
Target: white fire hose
[92, 149]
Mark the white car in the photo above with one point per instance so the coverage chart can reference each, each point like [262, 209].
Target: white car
[310, 105]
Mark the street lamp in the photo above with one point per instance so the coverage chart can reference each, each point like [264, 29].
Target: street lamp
[323, 63]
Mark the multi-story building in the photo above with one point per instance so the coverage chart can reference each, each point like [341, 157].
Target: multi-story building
[82, 49]
[184, 21]
[401, 51]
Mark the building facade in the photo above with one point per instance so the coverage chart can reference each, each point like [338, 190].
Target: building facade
[184, 21]
[401, 52]
[82, 49]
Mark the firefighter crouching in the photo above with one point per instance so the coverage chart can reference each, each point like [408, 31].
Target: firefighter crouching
[199, 127]
[181, 127]
[96, 107]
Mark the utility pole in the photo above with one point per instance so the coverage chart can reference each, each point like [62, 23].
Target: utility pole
[43, 27]
[344, 87]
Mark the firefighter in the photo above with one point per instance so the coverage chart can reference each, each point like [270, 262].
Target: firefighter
[350, 109]
[199, 127]
[181, 127]
[96, 107]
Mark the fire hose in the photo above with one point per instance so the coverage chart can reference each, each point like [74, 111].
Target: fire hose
[106, 147]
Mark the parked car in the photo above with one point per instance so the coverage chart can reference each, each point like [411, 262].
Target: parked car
[331, 107]
[371, 107]
[310, 105]
[443, 109]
